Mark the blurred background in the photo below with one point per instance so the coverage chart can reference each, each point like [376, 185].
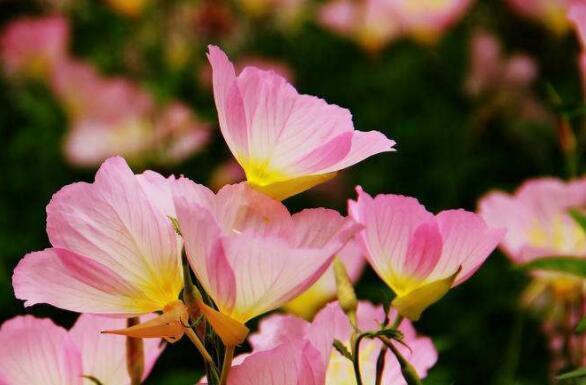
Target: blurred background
[474, 92]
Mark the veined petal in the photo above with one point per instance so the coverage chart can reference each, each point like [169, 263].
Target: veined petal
[364, 145]
[104, 356]
[289, 364]
[36, 351]
[467, 242]
[278, 135]
[389, 221]
[205, 251]
[228, 103]
[243, 210]
[114, 222]
[67, 280]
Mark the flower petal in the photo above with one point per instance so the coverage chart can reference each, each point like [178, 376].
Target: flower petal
[114, 222]
[36, 351]
[104, 356]
[389, 221]
[364, 145]
[468, 241]
[228, 103]
[290, 364]
[69, 281]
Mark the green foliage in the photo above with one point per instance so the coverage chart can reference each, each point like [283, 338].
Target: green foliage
[577, 377]
[565, 265]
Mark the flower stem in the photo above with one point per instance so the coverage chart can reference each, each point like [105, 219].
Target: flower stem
[409, 373]
[356, 339]
[196, 341]
[227, 364]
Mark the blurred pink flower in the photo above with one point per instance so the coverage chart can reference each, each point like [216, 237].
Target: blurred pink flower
[552, 13]
[536, 218]
[324, 290]
[286, 142]
[428, 20]
[372, 23]
[490, 70]
[250, 255]
[34, 46]
[36, 351]
[113, 116]
[503, 84]
[280, 329]
[420, 256]
[114, 252]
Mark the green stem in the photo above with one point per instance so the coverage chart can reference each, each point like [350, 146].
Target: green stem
[227, 364]
[409, 373]
[356, 339]
[380, 365]
[398, 321]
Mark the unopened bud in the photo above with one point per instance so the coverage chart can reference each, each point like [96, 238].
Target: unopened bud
[346, 294]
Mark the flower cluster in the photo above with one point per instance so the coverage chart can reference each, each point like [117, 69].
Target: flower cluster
[129, 245]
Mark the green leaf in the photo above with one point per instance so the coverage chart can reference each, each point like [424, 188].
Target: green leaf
[341, 348]
[581, 328]
[579, 217]
[566, 265]
[578, 373]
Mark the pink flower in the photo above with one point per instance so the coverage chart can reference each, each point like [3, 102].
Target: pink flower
[552, 13]
[372, 23]
[289, 351]
[249, 253]
[427, 20]
[34, 46]
[420, 256]
[280, 329]
[114, 252]
[286, 142]
[491, 72]
[536, 218]
[324, 290]
[111, 116]
[36, 351]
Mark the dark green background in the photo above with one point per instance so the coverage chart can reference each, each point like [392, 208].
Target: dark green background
[411, 93]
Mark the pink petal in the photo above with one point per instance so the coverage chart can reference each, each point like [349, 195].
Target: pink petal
[69, 281]
[289, 364]
[276, 133]
[269, 273]
[104, 356]
[504, 211]
[424, 251]
[364, 145]
[468, 241]
[228, 103]
[115, 223]
[278, 329]
[389, 221]
[36, 351]
[202, 237]
[242, 209]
